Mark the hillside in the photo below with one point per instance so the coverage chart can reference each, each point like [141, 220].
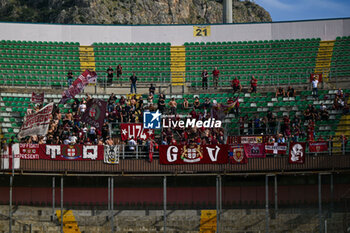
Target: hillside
[128, 11]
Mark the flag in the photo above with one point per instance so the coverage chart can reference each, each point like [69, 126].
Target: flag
[297, 152]
[237, 155]
[318, 146]
[318, 76]
[95, 113]
[37, 98]
[36, 123]
[255, 150]
[10, 157]
[111, 154]
[78, 85]
[276, 148]
[219, 111]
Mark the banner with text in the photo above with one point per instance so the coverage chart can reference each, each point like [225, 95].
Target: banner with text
[135, 131]
[276, 148]
[74, 152]
[255, 150]
[37, 98]
[95, 113]
[193, 154]
[36, 123]
[318, 146]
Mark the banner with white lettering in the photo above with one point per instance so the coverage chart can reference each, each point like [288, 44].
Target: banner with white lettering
[136, 131]
[251, 139]
[37, 98]
[29, 151]
[276, 148]
[193, 154]
[36, 123]
[71, 152]
[318, 146]
[10, 157]
[111, 154]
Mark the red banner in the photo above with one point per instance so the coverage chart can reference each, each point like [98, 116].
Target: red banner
[237, 155]
[74, 152]
[297, 152]
[135, 131]
[255, 150]
[318, 146]
[276, 148]
[318, 76]
[193, 154]
[37, 98]
[29, 151]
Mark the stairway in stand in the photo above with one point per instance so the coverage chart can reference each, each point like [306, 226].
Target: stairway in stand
[324, 58]
[87, 58]
[178, 65]
[70, 225]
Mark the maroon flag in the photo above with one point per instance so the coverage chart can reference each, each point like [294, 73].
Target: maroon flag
[193, 154]
[276, 148]
[318, 146]
[78, 85]
[37, 98]
[255, 150]
[71, 152]
[95, 113]
[237, 155]
[297, 152]
[135, 131]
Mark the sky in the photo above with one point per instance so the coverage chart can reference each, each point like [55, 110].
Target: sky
[285, 10]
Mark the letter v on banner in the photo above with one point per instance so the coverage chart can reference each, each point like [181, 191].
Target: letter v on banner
[210, 153]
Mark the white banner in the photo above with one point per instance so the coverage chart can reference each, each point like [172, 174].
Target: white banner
[111, 155]
[36, 123]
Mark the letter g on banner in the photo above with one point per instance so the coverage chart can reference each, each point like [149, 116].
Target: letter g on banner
[171, 153]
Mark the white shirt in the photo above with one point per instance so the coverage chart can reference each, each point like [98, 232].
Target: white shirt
[132, 144]
[314, 83]
[82, 108]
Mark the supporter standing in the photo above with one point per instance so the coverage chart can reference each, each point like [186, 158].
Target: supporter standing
[133, 80]
[216, 73]
[119, 71]
[253, 84]
[290, 91]
[109, 76]
[173, 106]
[161, 103]
[236, 85]
[70, 78]
[205, 79]
[151, 90]
[314, 84]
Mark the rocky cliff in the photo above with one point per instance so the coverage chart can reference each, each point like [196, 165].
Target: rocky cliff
[128, 11]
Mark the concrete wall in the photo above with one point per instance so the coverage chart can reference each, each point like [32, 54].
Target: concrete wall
[175, 34]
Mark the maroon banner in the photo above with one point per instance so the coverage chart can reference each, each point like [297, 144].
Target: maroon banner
[255, 150]
[95, 113]
[318, 146]
[135, 131]
[318, 76]
[74, 152]
[78, 85]
[29, 151]
[297, 152]
[193, 154]
[276, 148]
[37, 98]
[237, 155]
